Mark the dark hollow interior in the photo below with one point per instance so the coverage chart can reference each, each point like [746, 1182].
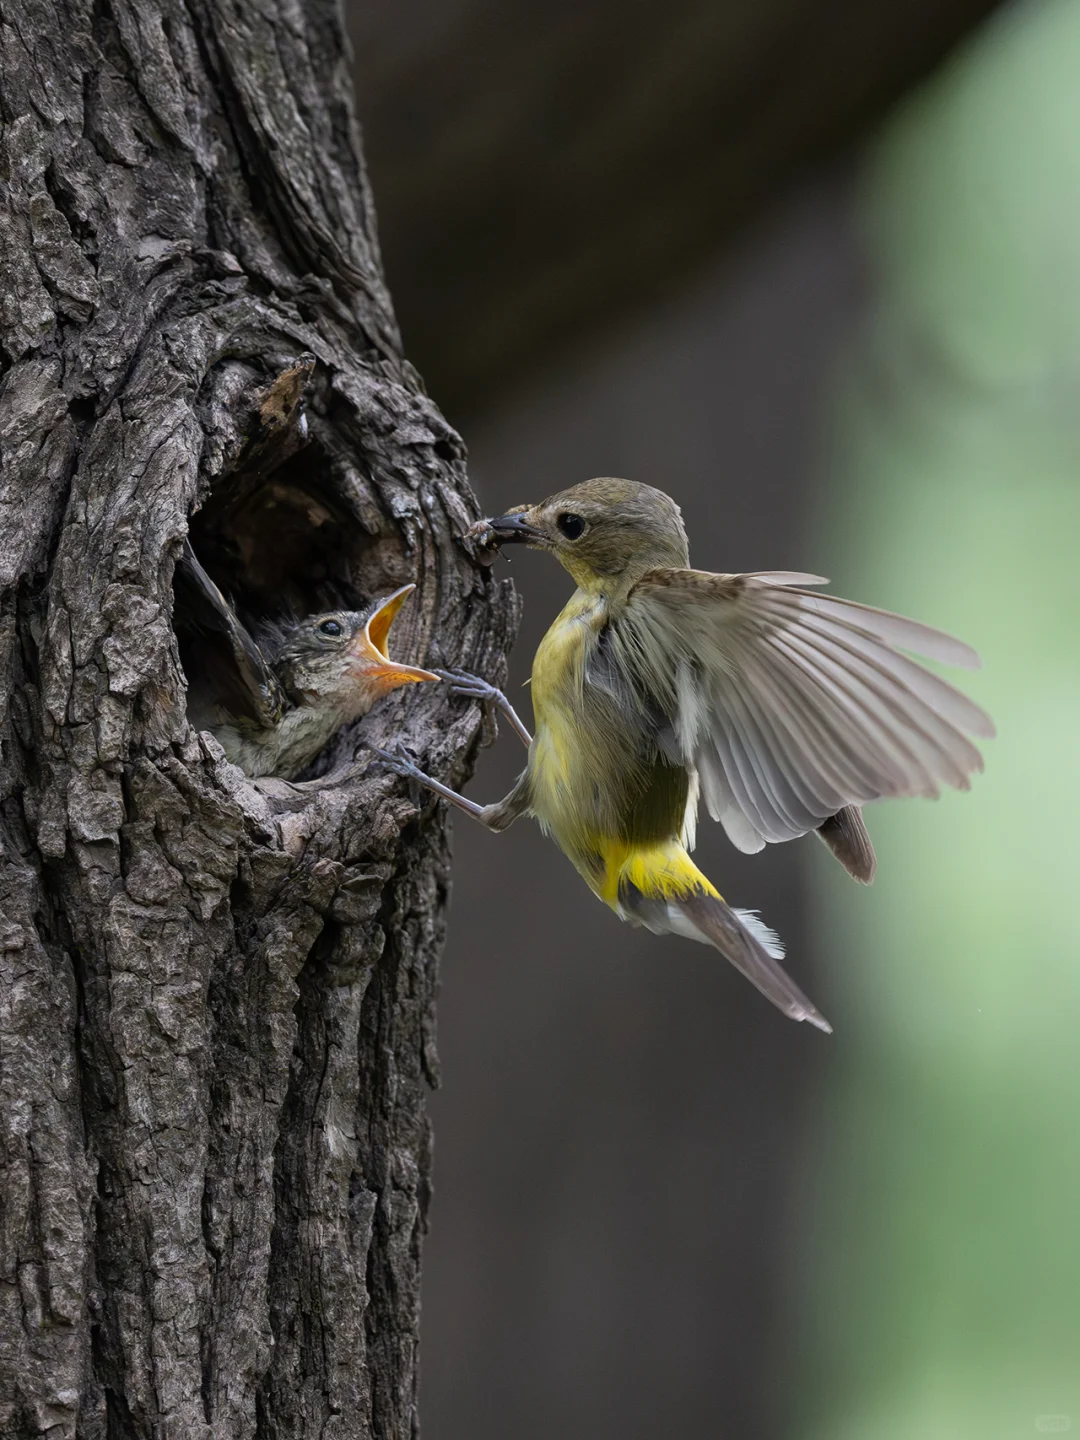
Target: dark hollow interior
[284, 544]
[278, 544]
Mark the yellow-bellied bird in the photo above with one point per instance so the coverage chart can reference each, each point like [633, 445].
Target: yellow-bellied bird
[784, 709]
[274, 701]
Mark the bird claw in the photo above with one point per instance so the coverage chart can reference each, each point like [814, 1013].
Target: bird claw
[490, 697]
[400, 760]
[461, 682]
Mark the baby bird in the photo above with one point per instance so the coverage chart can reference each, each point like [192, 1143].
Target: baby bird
[783, 708]
[274, 704]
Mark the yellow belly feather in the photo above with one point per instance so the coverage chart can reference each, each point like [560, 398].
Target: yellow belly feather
[557, 677]
[658, 872]
[561, 767]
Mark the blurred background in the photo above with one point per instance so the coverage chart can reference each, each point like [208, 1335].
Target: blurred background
[815, 270]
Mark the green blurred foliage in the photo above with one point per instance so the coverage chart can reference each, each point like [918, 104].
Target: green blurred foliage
[940, 1299]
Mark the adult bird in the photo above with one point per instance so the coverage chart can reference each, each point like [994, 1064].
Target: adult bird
[784, 709]
[275, 699]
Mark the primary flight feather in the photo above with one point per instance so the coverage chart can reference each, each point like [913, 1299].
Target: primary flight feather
[784, 709]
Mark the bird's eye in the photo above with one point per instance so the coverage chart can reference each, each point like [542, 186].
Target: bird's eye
[330, 627]
[572, 526]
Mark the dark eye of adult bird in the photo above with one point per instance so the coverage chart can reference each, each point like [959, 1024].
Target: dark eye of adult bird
[785, 709]
[330, 627]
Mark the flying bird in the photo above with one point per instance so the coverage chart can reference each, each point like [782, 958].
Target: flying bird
[782, 708]
[274, 701]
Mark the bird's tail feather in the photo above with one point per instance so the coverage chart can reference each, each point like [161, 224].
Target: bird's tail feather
[751, 947]
[669, 895]
[847, 837]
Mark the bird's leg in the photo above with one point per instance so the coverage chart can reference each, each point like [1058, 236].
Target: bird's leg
[471, 686]
[498, 816]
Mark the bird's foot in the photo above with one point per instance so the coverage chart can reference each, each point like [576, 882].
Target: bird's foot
[461, 682]
[400, 760]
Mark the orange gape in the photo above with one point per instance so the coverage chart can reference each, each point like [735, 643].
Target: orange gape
[370, 648]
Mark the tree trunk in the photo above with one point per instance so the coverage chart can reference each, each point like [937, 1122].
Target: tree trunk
[216, 1013]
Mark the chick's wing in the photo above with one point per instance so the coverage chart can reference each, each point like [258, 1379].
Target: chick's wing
[232, 677]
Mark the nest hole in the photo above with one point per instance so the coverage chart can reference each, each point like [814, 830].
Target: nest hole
[287, 544]
[280, 544]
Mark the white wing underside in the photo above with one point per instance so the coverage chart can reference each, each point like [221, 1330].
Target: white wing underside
[790, 705]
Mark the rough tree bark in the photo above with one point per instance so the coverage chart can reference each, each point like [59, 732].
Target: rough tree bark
[216, 997]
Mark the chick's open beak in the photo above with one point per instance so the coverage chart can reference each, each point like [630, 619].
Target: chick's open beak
[369, 648]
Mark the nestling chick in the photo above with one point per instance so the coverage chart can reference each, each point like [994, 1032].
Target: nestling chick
[279, 700]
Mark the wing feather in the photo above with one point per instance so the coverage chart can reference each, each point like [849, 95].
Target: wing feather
[823, 783]
[903, 750]
[764, 755]
[893, 629]
[790, 704]
[905, 701]
[233, 677]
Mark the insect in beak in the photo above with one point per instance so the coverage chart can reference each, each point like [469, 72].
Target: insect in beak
[514, 527]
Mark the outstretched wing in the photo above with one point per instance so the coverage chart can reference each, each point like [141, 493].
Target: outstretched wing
[230, 674]
[791, 705]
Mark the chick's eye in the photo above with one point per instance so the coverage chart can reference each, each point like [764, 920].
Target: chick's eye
[571, 525]
[330, 627]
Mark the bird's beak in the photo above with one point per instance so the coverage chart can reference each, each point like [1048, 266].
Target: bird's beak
[369, 647]
[514, 527]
